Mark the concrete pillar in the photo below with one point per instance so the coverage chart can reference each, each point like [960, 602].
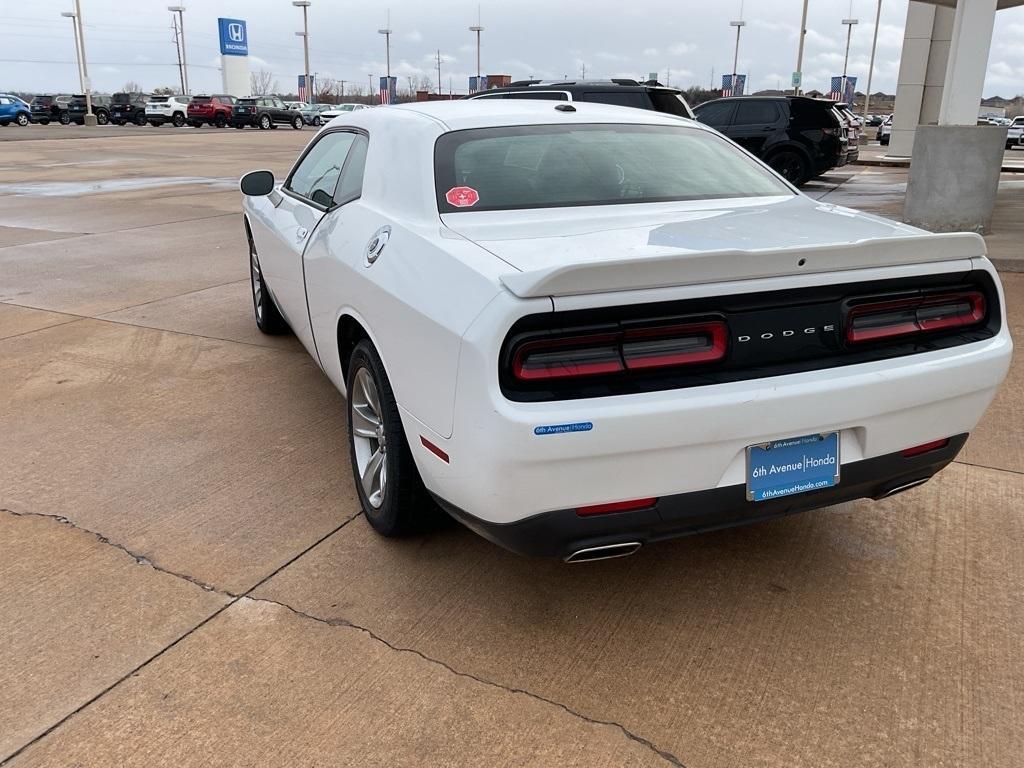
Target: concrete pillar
[968, 61]
[923, 63]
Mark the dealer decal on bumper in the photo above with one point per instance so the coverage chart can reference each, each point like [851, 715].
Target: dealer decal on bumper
[561, 429]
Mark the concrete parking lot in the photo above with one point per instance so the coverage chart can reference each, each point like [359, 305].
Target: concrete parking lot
[185, 578]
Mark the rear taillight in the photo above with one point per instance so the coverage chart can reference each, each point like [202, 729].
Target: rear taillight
[633, 349]
[879, 320]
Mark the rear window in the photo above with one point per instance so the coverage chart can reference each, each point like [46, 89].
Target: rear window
[551, 166]
[122, 97]
[201, 99]
[248, 102]
[159, 100]
[669, 103]
[43, 100]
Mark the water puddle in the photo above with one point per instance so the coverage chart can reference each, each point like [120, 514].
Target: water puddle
[79, 188]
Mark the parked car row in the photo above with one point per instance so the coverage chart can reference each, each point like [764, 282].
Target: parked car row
[219, 110]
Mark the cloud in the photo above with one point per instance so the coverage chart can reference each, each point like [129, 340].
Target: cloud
[650, 52]
[413, 37]
[679, 49]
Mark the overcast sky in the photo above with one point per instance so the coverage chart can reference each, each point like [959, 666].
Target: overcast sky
[132, 40]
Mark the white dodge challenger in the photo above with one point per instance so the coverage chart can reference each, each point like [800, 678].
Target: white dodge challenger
[580, 328]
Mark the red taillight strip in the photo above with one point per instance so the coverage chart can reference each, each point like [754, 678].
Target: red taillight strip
[917, 450]
[909, 325]
[616, 506]
[617, 351]
[714, 351]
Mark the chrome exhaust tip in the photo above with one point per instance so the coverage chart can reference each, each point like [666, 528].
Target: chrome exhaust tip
[901, 488]
[606, 552]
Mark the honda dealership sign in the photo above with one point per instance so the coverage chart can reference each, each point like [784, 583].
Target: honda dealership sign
[234, 56]
[233, 38]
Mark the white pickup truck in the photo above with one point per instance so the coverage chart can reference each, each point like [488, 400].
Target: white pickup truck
[1015, 133]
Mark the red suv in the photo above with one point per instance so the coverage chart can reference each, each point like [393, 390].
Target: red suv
[213, 110]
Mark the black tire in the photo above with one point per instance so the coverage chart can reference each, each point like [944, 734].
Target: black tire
[317, 122]
[140, 119]
[178, 119]
[65, 118]
[239, 126]
[44, 122]
[264, 122]
[403, 506]
[220, 120]
[102, 118]
[297, 122]
[196, 124]
[268, 318]
[122, 122]
[22, 119]
[884, 141]
[4, 123]
[791, 166]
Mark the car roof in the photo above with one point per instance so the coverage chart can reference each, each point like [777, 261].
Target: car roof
[486, 113]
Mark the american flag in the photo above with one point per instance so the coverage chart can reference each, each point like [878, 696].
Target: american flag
[302, 87]
[731, 87]
[836, 94]
[387, 90]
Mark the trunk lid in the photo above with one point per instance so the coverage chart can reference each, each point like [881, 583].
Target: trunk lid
[615, 248]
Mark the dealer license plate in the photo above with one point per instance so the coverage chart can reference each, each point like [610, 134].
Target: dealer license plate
[791, 466]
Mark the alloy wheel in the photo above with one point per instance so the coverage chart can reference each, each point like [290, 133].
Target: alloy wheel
[257, 283]
[22, 119]
[368, 437]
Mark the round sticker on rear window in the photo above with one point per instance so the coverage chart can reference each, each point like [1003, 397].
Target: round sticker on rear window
[462, 197]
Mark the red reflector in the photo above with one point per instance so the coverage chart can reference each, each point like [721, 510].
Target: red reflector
[922, 314]
[917, 450]
[615, 506]
[434, 449]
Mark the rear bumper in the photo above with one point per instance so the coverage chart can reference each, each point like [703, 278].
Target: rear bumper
[562, 532]
[243, 121]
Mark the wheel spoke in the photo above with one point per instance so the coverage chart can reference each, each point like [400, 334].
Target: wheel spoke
[372, 476]
[364, 422]
[370, 393]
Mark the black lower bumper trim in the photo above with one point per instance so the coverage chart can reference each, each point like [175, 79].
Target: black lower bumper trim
[562, 532]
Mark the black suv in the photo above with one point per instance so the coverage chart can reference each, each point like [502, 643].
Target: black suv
[620, 92]
[76, 109]
[128, 108]
[800, 137]
[264, 112]
[49, 108]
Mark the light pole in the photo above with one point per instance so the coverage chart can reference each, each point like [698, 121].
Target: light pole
[849, 33]
[478, 29]
[800, 53]
[83, 66]
[78, 51]
[304, 34]
[387, 54]
[736, 56]
[438, 72]
[182, 59]
[871, 66]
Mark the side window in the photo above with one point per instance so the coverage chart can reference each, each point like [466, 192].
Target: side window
[717, 113]
[4, 100]
[351, 184]
[542, 95]
[316, 177]
[636, 99]
[756, 113]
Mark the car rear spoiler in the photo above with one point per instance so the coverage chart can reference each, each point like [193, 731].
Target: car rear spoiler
[673, 269]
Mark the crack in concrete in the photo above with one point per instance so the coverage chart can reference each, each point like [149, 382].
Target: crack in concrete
[340, 622]
[334, 622]
[140, 559]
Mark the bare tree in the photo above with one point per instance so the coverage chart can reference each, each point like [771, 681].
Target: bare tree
[131, 87]
[327, 89]
[262, 83]
[165, 90]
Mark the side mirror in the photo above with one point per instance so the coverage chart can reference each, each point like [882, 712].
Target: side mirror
[257, 183]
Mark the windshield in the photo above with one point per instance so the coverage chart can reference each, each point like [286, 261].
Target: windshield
[548, 166]
[43, 100]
